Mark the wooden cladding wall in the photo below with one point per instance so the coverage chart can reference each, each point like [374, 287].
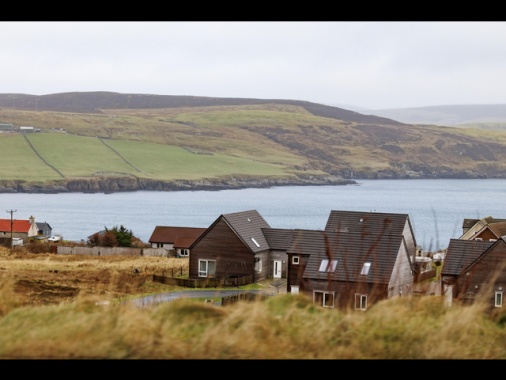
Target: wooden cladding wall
[238, 261]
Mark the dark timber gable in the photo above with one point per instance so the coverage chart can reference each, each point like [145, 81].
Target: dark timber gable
[234, 241]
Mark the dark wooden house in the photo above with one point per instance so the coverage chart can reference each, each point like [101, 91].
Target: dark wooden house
[360, 259]
[474, 269]
[278, 240]
[233, 246]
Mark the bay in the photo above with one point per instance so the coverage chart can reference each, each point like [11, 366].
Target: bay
[437, 208]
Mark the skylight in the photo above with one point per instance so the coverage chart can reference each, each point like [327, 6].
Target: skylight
[326, 266]
[365, 268]
[254, 241]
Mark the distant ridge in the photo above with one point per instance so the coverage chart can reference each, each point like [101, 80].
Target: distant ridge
[448, 115]
[93, 102]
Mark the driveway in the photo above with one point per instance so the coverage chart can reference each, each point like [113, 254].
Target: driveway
[270, 287]
[170, 296]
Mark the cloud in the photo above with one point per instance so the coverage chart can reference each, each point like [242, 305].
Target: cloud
[374, 65]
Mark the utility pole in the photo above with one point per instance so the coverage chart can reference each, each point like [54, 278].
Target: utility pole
[11, 211]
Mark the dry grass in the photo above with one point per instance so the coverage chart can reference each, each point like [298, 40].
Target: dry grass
[44, 279]
[281, 327]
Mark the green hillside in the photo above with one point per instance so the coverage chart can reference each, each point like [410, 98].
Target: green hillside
[239, 142]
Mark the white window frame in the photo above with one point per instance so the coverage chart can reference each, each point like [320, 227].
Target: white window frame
[360, 301]
[328, 266]
[498, 298]
[327, 299]
[205, 269]
[295, 260]
[184, 252]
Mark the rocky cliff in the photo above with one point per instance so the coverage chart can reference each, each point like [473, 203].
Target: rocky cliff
[119, 184]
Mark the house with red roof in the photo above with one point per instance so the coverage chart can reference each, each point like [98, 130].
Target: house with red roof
[174, 238]
[19, 228]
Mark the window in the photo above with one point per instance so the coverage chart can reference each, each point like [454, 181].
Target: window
[365, 268]
[207, 268]
[185, 252]
[254, 241]
[360, 301]
[295, 260]
[498, 299]
[258, 266]
[328, 266]
[325, 299]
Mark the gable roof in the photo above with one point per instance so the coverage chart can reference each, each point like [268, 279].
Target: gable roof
[351, 250]
[18, 226]
[278, 238]
[169, 234]
[497, 228]
[247, 225]
[461, 254]
[367, 223]
[43, 226]
[468, 223]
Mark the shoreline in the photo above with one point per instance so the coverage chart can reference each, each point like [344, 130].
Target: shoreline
[109, 185]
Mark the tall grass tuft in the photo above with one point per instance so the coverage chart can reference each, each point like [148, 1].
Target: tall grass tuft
[281, 327]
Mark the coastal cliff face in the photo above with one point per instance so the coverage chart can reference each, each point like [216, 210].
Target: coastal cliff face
[119, 184]
[128, 183]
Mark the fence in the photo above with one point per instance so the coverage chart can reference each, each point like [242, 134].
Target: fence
[228, 300]
[111, 251]
[205, 282]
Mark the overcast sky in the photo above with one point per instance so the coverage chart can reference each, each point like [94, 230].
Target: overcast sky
[373, 65]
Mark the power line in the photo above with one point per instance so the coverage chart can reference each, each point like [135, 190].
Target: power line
[11, 211]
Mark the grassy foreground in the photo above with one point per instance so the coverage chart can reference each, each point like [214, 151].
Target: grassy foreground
[281, 327]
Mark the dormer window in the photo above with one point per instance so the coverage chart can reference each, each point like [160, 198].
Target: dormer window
[328, 265]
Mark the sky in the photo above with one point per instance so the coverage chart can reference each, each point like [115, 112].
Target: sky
[362, 64]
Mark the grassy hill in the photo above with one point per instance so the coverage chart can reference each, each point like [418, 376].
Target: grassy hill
[111, 142]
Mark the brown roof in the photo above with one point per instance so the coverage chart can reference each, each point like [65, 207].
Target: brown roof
[497, 228]
[168, 234]
[366, 223]
[462, 253]
[278, 238]
[351, 250]
[468, 223]
[247, 225]
[185, 241]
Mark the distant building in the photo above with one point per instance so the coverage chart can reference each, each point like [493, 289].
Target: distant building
[6, 127]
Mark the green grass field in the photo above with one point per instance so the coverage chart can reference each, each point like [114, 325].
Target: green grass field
[82, 156]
